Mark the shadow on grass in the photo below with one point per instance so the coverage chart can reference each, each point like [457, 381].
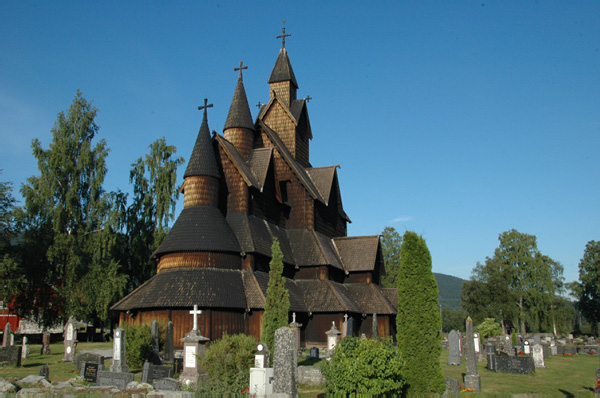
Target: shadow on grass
[32, 365]
[567, 394]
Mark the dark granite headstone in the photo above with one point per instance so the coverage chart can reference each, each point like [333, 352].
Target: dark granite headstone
[169, 348]
[518, 365]
[89, 371]
[46, 343]
[314, 353]
[177, 365]
[89, 357]
[166, 384]
[151, 372]
[117, 379]
[45, 371]
[11, 356]
[351, 327]
[155, 343]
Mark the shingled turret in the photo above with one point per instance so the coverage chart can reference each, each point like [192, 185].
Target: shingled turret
[239, 128]
[282, 79]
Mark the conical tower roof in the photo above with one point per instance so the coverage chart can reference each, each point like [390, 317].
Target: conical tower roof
[203, 161]
[282, 71]
[239, 113]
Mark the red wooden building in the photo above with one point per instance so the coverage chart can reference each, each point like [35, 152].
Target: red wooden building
[242, 189]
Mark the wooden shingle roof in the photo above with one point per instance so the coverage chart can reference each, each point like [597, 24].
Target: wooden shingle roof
[238, 161]
[186, 287]
[259, 161]
[239, 112]
[282, 71]
[312, 248]
[358, 253]
[202, 160]
[391, 294]
[199, 228]
[369, 298]
[297, 303]
[326, 296]
[323, 179]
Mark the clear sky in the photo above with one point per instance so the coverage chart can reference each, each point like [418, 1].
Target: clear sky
[458, 120]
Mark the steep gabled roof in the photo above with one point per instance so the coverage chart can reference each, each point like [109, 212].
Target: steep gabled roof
[312, 248]
[391, 295]
[358, 253]
[370, 298]
[238, 161]
[326, 296]
[202, 160]
[254, 295]
[186, 287]
[259, 161]
[199, 228]
[282, 71]
[297, 303]
[296, 168]
[323, 179]
[297, 109]
[239, 112]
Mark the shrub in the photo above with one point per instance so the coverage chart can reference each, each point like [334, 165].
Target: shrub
[138, 343]
[228, 363]
[358, 366]
[488, 328]
[513, 337]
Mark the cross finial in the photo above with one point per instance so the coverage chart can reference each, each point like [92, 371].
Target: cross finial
[240, 68]
[308, 98]
[206, 105]
[195, 312]
[283, 35]
[259, 105]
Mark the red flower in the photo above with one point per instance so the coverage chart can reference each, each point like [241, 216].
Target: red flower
[245, 390]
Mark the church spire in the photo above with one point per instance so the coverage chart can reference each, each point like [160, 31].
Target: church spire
[239, 113]
[202, 160]
[282, 79]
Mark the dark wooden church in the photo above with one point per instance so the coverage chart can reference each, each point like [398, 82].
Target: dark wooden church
[241, 190]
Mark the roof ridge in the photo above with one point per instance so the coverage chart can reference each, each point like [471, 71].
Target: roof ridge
[336, 294]
[339, 255]
[228, 151]
[380, 297]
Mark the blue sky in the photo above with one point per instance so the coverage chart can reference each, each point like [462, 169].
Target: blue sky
[458, 120]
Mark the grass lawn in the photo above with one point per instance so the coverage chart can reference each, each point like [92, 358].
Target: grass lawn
[563, 376]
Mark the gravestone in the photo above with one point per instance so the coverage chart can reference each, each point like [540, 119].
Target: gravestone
[472, 379]
[517, 365]
[452, 388]
[477, 345]
[46, 343]
[553, 348]
[45, 371]
[7, 334]
[490, 352]
[295, 326]
[70, 339]
[117, 379]
[333, 336]
[11, 356]
[26, 349]
[151, 372]
[89, 357]
[262, 356]
[155, 343]
[169, 347]
[119, 352]
[351, 327]
[345, 326]
[546, 350]
[314, 353]
[454, 357]
[507, 347]
[538, 356]
[374, 328]
[166, 384]
[537, 339]
[194, 345]
[89, 371]
[285, 362]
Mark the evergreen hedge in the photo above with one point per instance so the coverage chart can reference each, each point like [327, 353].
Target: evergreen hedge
[418, 319]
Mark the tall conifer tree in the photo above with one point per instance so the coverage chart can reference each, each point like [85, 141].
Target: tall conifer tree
[418, 319]
[277, 305]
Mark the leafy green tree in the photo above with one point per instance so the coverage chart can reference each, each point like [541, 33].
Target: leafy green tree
[228, 361]
[390, 248]
[369, 367]
[277, 302]
[587, 290]
[418, 318]
[489, 328]
[154, 179]
[453, 319]
[66, 254]
[516, 285]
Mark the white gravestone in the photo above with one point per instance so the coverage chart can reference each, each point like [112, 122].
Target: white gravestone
[538, 356]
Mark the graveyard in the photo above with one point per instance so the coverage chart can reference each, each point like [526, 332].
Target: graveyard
[562, 375]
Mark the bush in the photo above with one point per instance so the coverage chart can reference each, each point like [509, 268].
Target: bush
[138, 343]
[488, 328]
[228, 363]
[358, 366]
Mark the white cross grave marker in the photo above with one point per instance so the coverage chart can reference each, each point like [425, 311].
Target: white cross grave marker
[195, 312]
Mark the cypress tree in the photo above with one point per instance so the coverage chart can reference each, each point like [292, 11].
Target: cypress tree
[418, 319]
[277, 305]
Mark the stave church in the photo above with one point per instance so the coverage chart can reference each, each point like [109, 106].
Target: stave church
[243, 189]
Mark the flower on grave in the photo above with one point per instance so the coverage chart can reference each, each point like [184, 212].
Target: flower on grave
[245, 390]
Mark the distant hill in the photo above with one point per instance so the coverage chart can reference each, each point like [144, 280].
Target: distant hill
[449, 287]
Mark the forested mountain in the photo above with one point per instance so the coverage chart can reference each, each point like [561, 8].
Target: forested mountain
[449, 287]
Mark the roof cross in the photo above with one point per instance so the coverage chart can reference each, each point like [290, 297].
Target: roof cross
[206, 105]
[259, 104]
[195, 312]
[283, 35]
[308, 98]
[240, 68]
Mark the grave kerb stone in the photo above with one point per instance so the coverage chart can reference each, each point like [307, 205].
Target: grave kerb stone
[117, 379]
[151, 372]
[166, 384]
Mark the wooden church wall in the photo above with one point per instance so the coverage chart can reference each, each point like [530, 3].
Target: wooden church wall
[383, 326]
[237, 189]
[317, 325]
